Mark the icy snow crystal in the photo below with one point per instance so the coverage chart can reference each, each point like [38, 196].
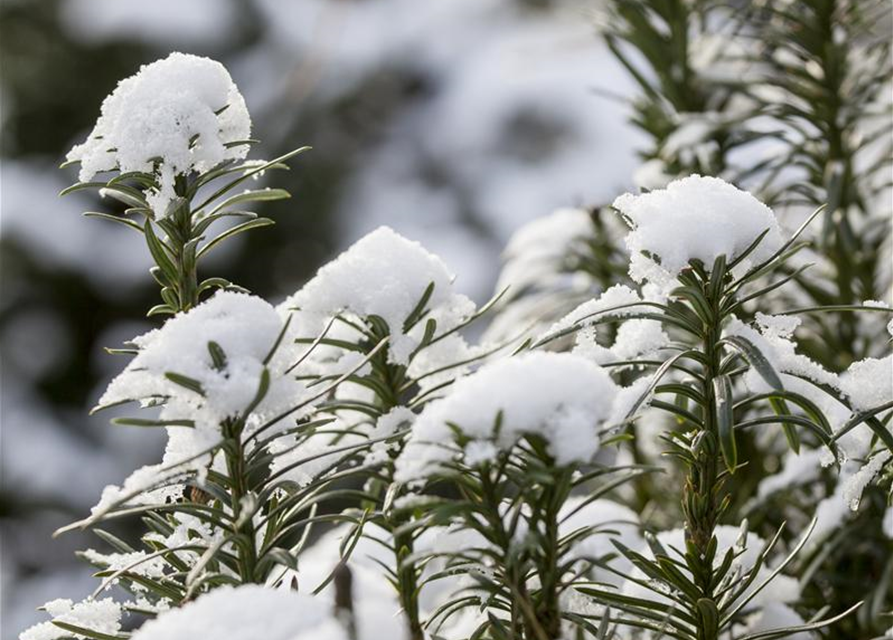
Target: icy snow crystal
[695, 218]
[181, 110]
[247, 612]
[558, 396]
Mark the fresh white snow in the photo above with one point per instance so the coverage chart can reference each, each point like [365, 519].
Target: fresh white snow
[560, 397]
[694, 218]
[181, 110]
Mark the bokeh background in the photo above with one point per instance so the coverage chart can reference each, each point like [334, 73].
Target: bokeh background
[453, 121]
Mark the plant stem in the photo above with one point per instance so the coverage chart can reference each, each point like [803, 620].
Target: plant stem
[392, 378]
[243, 526]
[548, 610]
[700, 503]
[407, 578]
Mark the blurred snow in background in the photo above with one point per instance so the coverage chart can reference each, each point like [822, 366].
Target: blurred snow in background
[453, 121]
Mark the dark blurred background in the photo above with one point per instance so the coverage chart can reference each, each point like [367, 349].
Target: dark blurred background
[453, 121]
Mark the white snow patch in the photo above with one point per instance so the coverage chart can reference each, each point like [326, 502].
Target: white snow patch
[156, 114]
[561, 397]
[695, 218]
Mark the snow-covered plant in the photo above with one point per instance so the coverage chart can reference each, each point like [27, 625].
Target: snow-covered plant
[509, 445]
[222, 376]
[688, 58]
[555, 263]
[721, 379]
[586, 470]
[825, 70]
[175, 138]
[389, 303]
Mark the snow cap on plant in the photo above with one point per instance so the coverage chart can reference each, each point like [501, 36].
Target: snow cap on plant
[210, 363]
[247, 612]
[695, 218]
[560, 397]
[382, 275]
[182, 112]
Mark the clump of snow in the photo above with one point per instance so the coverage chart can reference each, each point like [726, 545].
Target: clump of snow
[181, 110]
[638, 338]
[602, 520]
[246, 329]
[854, 486]
[652, 174]
[626, 399]
[777, 326]
[833, 511]
[143, 486]
[136, 562]
[188, 529]
[247, 612]
[394, 420]
[772, 339]
[560, 397]
[774, 616]
[695, 218]
[302, 459]
[799, 469]
[102, 616]
[868, 383]
[693, 141]
[383, 275]
[376, 607]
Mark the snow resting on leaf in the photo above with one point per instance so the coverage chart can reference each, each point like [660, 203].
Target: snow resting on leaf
[102, 616]
[179, 366]
[560, 397]
[180, 111]
[695, 218]
[616, 302]
[247, 612]
[869, 383]
[383, 275]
